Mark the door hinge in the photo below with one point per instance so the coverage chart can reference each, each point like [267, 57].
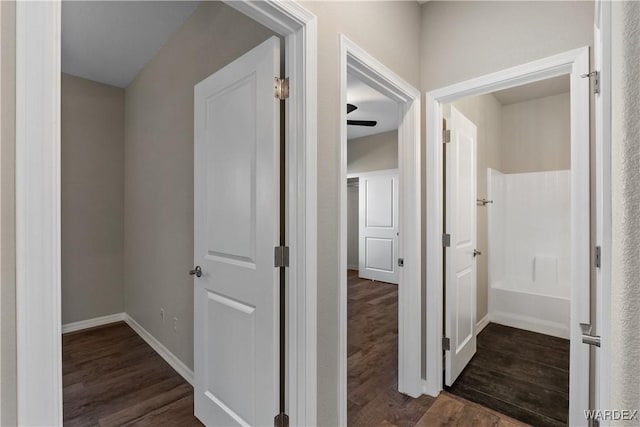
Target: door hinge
[446, 240]
[400, 262]
[282, 88]
[281, 256]
[446, 136]
[446, 344]
[596, 80]
[598, 257]
[281, 420]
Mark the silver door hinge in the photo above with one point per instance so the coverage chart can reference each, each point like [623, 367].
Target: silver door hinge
[596, 80]
[281, 256]
[598, 257]
[400, 262]
[281, 420]
[446, 136]
[587, 337]
[282, 88]
[446, 344]
[446, 240]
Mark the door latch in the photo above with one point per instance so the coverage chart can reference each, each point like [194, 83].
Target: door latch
[400, 262]
[587, 337]
[196, 271]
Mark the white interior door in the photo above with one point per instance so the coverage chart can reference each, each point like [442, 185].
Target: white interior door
[236, 226]
[378, 235]
[460, 224]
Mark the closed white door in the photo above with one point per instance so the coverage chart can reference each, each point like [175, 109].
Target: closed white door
[460, 256]
[236, 226]
[378, 236]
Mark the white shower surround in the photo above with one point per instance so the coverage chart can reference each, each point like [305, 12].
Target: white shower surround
[529, 242]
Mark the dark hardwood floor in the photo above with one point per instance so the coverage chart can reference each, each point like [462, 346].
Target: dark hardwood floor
[522, 374]
[372, 358]
[112, 377]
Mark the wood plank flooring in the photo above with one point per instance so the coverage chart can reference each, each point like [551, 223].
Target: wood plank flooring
[372, 358]
[372, 369]
[111, 377]
[519, 373]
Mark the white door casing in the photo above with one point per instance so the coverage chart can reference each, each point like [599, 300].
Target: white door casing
[461, 224]
[378, 226]
[236, 227]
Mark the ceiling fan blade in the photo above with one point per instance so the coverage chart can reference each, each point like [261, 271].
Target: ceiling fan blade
[350, 108]
[369, 123]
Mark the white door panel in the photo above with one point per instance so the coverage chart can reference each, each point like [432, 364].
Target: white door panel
[378, 233]
[460, 272]
[236, 226]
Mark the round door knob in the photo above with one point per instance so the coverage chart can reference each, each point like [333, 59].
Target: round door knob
[196, 271]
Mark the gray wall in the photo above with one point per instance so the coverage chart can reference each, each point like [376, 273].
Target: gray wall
[158, 243]
[8, 390]
[486, 113]
[92, 141]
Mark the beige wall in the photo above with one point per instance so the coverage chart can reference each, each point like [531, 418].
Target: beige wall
[158, 244]
[390, 32]
[536, 135]
[374, 152]
[486, 113]
[92, 141]
[8, 390]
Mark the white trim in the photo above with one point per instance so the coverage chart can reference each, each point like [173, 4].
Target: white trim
[602, 61]
[39, 356]
[372, 173]
[38, 206]
[353, 267]
[482, 323]
[92, 323]
[159, 348]
[574, 63]
[355, 61]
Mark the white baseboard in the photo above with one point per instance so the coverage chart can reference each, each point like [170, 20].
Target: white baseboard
[163, 351]
[482, 323]
[530, 324]
[92, 323]
[353, 267]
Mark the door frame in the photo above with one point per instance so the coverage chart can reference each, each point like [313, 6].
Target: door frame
[574, 63]
[38, 284]
[354, 60]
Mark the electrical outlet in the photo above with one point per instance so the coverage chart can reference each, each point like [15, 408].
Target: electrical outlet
[175, 324]
[162, 314]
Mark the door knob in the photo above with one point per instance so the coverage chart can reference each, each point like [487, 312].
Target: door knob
[196, 271]
[476, 253]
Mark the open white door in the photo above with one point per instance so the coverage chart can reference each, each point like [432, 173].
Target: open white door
[236, 226]
[460, 225]
[378, 235]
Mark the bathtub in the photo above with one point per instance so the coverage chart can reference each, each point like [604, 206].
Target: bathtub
[545, 314]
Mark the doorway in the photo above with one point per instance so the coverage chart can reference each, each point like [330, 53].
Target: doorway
[519, 199]
[446, 311]
[358, 64]
[38, 299]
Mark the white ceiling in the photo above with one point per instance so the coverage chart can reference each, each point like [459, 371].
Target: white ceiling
[372, 105]
[111, 41]
[540, 89]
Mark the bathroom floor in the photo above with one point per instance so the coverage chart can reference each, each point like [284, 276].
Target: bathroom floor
[519, 373]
